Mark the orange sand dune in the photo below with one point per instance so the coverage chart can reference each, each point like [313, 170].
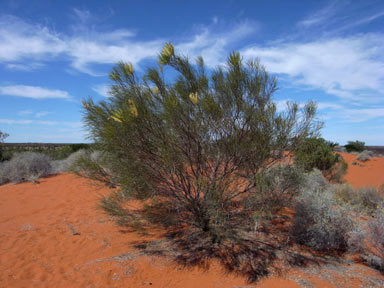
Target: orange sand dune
[371, 173]
[53, 235]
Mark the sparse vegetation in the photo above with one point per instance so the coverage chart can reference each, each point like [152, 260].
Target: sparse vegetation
[355, 146]
[376, 233]
[319, 222]
[364, 156]
[362, 200]
[201, 143]
[25, 167]
[2, 138]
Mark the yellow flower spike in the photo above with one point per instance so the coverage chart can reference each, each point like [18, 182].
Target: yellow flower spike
[85, 104]
[117, 116]
[116, 119]
[193, 97]
[166, 54]
[168, 50]
[132, 108]
[128, 69]
[155, 90]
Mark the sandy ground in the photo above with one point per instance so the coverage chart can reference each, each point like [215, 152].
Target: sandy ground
[53, 235]
[369, 173]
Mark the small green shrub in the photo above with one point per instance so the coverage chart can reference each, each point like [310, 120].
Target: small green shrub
[2, 138]
[317, 153]
[355, 146]
[27, 166]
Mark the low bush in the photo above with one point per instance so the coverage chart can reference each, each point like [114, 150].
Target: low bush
[340, 149]
[362, 200]
[25, 167]
[318, 221]
[93, 165]
[318, 153]
[276, 187]
[365, 155]
[376, 235]
[355, 146]
[68, 164]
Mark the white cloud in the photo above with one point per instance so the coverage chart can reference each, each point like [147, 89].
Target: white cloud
[24, 67]
[35, 114]
[42, 114]
[34, 92]
[25, 112]
[213, 45]
[20, 40]
[350, 68]
[73, 125]
[319, 16]
[361, 115]
[85, 47]
[102, 90]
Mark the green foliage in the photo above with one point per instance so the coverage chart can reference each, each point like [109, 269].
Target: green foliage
[316, 153]
[198, 142]
[355, 146]
[2, 138]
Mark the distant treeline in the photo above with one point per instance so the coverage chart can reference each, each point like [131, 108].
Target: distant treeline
[56, 151]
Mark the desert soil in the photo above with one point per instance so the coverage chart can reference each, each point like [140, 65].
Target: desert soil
[53, 235]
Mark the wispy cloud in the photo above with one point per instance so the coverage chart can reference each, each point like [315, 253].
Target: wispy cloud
[102, 89]
[32, 113]
[20, 40]
[213, 45]
[320, 16]
[73, 125]
[24, 67]
[349, 67]
[86, 47]
[34, 92]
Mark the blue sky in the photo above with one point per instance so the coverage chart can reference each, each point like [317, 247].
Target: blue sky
[54, 53]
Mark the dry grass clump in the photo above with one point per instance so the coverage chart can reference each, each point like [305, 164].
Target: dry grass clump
[365, 155]
[27, 166]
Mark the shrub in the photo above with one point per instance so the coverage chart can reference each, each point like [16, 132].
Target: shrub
[2, 138]
[68, 164]
[93, 165]
[319, 222]
[363, 200]
[340, 149]
[317, 153]
[25, 167]
[355, 146]
[376, 235]
[365, 155]
[198, 142]
[276, 187]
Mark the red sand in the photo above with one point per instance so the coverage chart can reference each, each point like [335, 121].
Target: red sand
[371, 173]
[38, 247]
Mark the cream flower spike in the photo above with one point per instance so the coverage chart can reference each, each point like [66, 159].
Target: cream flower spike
[193, 97]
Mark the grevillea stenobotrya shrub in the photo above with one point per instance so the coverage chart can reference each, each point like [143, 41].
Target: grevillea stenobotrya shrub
[194, 143]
